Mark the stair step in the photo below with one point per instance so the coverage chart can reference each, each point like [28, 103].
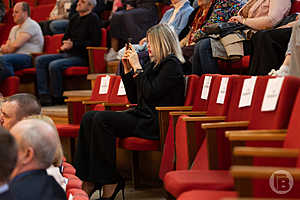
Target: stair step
[59, 114]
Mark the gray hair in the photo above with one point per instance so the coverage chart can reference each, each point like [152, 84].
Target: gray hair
[163, 42]
[93, 2]
[27, 104]
[42, 137]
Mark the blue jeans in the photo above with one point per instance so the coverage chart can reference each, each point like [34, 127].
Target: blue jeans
[58, 26]
[13, 62]
[203, 62]
[52, 66]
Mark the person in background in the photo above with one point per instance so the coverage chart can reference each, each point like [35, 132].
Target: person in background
[16, 107]
[24, 38]
[2, 10]
[58, 19]
[132, 22]
[37, 142]
[208, 12]
[257, 15]
[269, 47]
[8, 160]
[73, 52]
[160, 83]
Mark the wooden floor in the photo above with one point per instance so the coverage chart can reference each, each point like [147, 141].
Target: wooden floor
[143, 194]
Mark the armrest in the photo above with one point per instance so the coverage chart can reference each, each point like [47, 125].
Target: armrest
[257, 137]
[190, 113]
[227, 133]
[76, 99]
[265, 152]
[163, 120]
[204, 119]
[261, 172]
[97, 48]
[90, 102]
[115, 104]
[236, 124]
[173, 108]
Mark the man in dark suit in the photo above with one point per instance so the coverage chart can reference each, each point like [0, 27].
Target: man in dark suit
[8, 160]
[37, 141]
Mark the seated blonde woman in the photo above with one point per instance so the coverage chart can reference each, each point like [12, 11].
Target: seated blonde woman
[54, 170]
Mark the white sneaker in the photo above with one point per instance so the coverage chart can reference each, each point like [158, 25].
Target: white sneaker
[111, 55]
[282, 71]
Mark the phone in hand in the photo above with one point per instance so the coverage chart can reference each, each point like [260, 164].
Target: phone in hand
[128, 43]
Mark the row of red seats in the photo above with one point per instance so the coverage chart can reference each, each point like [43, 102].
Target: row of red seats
[202, 151]
[74, 185]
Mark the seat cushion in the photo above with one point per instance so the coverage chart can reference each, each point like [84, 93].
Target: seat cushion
[206, 194]
[77, 194]
[76, 71]
[22, 72]
[139, 144]
[177, 182]
[68, 130]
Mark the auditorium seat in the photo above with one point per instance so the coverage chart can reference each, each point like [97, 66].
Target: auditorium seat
[219, 153]
[10, 86]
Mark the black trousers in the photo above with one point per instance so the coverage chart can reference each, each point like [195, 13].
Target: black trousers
[268, 50]
[95, 159]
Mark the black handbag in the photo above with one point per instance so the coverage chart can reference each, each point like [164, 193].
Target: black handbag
[224, 28]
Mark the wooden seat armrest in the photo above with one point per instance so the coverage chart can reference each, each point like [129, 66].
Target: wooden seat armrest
[114, 104]
[89, 102]
[131, 105]
[204, 119]
[261, 172]
[265, 152]
[96, 48]
[257, 137]
[76, 99]
[173, 108]
[242, 124]
[275, 131]
[190, 113]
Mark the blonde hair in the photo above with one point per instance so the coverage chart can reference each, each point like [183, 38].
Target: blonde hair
[163, 42]
[58, 158]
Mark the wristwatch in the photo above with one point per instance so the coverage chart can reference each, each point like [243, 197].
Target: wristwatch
[138, 71]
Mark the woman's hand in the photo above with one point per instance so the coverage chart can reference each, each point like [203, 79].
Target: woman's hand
[125, 62]
[236, 19]
[142, 41]
[133, 58]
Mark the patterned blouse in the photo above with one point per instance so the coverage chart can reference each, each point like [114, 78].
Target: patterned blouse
[222, 11]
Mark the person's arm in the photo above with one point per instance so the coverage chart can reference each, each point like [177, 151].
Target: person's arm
[277, 10]
[11, 47]
[168, 77]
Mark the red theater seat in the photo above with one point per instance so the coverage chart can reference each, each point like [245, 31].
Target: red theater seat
[10, 86]
[206, 194]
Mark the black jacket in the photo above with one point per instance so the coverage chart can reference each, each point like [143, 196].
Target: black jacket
[162, 85]
[7, 195]
[89, 33]
[36, 185]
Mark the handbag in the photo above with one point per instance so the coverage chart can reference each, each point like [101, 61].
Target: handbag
[224, 28]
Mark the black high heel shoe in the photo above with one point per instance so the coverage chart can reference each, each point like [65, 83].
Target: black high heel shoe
[97, 187]
[120, 186]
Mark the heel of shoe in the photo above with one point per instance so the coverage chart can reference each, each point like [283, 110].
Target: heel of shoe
[123, 193]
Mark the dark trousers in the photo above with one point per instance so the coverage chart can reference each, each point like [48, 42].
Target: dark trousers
[203, 62]
[268, 50]
[95, 159]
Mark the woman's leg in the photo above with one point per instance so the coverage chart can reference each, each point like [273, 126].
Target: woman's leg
[268, 50]
[203, 62]
[96, 155]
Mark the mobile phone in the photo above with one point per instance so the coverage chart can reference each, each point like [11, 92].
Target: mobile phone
[128, 43]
